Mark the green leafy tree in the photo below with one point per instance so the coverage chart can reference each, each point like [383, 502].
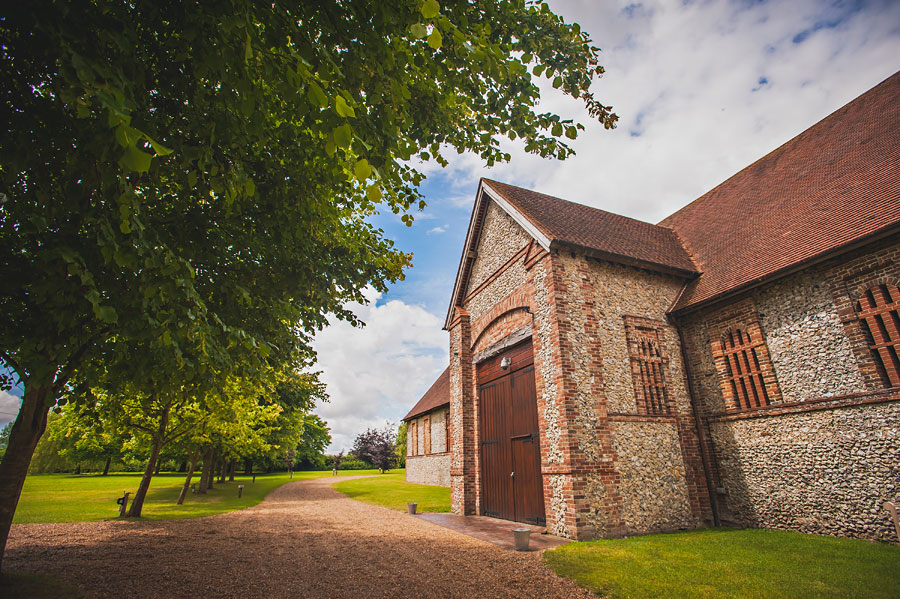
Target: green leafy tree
[90, 438]
[198, 177]
[310, 453]
[400, 445]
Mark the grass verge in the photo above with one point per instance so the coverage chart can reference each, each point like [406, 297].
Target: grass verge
[90, 497]
[391, 490]
[727, 563]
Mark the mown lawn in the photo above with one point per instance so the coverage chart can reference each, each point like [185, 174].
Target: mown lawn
[87, 497]
[726, 563]
[391, 490]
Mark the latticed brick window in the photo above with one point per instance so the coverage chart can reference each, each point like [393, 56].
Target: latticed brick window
[648, 367]
[744, 372]
[878, 312]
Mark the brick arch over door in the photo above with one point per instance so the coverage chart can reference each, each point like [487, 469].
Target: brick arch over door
[500, 327]
[520, 299]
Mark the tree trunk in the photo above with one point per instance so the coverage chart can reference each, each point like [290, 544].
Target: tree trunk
[138, 503]
[182, 467]
[212, 469]
[23, 438]
[248, 467]
[78, 469]
[204, 473]
[158, 466]
[222, 467]
[231, 469]
[106, 468]
[187, 479]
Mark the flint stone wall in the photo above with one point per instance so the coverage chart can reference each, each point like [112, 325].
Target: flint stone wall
[620, 291]
[648, 490]
[429, 469]
[652, 476]
[807, 345]
[501, 237]
[806, 465]
[825, 472]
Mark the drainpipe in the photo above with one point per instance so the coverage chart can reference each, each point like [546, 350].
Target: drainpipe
[707, 470]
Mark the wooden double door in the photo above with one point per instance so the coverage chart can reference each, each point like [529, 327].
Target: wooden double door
[511, 485]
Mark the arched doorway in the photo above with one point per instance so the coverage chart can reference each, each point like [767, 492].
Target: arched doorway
[511, 485]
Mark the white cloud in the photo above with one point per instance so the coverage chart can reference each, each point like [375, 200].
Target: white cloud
[437, 230]
[681, 77]
[378, 372]
[9, 407]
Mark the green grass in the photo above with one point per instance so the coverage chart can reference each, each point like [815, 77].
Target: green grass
[88, 497]
[32, 586]
[725, 563]
[391, 490]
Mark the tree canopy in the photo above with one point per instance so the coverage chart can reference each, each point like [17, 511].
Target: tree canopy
[376, 447]
[193, 181]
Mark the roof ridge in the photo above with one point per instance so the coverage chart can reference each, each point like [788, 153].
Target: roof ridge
[579, 204]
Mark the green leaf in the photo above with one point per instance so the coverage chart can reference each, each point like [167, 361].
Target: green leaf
[557, 81]
[248, 49]
[135, 160]
[430, 9]
[342, 108]
[557, 129]
[362, 169]
[435, 40]
[373, 194]
[107, 314]
[317, 96]
[160, 149]
[343, 135]
[418, 30]
[571, 132]
[330, 147]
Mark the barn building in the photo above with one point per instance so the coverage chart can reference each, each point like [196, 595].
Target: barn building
[427, 450]
[737, 362]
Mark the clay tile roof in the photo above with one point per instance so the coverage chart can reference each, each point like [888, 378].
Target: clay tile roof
[438, 395]
[611, 235]
[835, 184]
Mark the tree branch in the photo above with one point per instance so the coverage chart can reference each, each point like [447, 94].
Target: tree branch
[68, 370]
[7, 359]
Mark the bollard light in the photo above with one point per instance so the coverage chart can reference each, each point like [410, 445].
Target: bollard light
[240, 491]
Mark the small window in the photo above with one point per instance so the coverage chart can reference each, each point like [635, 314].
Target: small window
[744, 373]
[412, 439]
[878, 312]
[648, 367]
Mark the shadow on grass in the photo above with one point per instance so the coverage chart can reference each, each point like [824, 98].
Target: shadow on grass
[34, 586]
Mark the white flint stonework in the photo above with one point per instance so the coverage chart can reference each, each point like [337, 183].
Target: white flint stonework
[806, 340]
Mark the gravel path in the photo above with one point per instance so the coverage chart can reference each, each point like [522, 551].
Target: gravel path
[305, 540]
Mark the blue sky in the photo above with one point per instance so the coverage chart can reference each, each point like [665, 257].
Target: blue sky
[702, 89]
